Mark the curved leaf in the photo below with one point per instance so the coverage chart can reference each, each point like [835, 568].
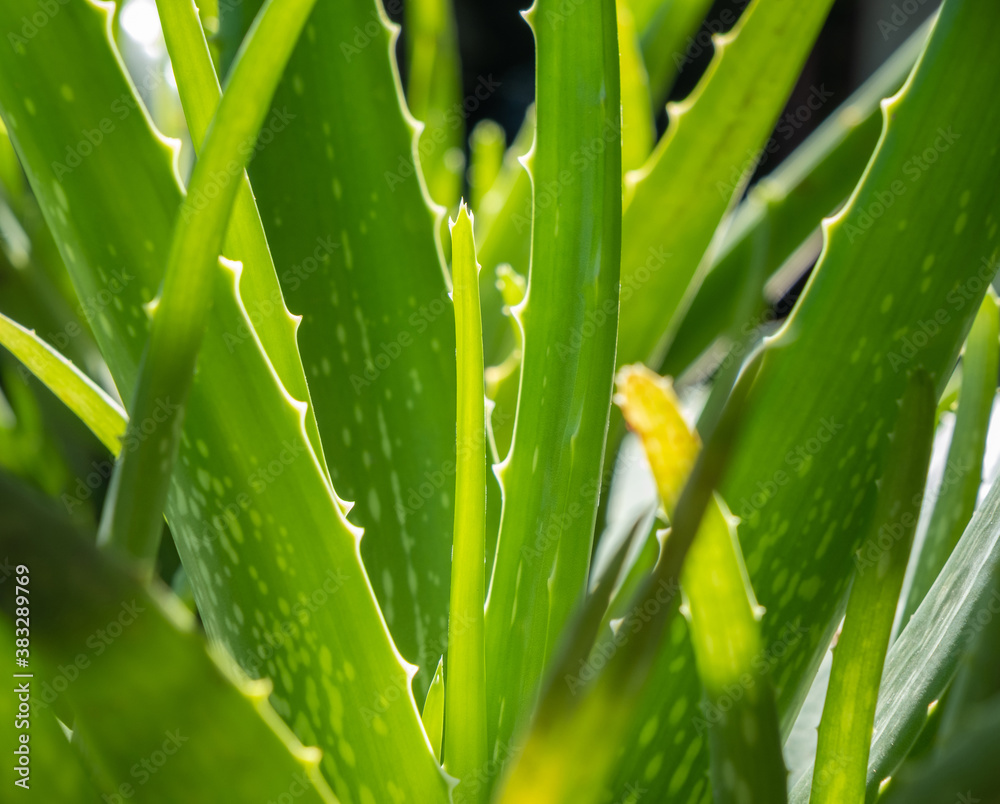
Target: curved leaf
[116, 643]
[377, 336]
[79, 393]
[546, 529]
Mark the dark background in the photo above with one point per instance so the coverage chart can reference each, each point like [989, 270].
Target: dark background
[495, 41]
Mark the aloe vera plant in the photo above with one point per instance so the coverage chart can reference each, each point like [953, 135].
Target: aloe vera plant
[291, 573]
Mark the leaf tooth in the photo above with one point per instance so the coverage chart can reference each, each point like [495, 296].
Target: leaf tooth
[171, 145]
[416, 128]
[356, 532]
[257, 689]
[308, 755]
[234, 267]
[151, 306]
[527, 159]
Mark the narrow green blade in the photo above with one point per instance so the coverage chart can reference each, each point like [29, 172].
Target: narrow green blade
[80, 394]
[724, 617]
[246, 242]
[434, 94]
[702, 163]
[465, 682]
[132, 518]
[546, 529]
[845, 730]
[956, 498]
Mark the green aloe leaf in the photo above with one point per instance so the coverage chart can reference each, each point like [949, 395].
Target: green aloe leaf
[56, 771]
[956, 499]
[964, 770]
[926, 656]
[812, 182]
[826, 396]
[546, 529]
[434, 94]
[724, 617]
[845, 730]
[377, 336]
[249, 502]
[432, 714]
[589, 710]
[79, 393]
[702, 163]
[465, 681]
[638, 128]
[246, 242]
[669, 29]
[114, 643]
[132, 517]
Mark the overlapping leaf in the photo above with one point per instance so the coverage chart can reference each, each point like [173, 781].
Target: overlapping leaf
[115, 643]
[551, 478]
[344, 209]
[274, 565]
[803, 474]
[676, 201]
